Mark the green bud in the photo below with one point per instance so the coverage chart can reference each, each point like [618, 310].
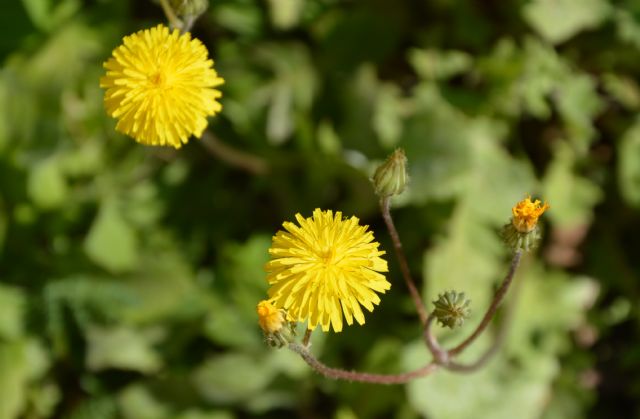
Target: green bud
[518, 240]
[451, 309]
[189, 8]
[390, 178]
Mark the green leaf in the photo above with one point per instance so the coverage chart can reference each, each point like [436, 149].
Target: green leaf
[47, 14]
[559, 20]
[285, 14]
[137, 402]
[12, 307]
[100, 407]
[432, 64]
[579, 103]
[439, 157]
[388, 114]
[627, 27]
[629, 165]
[624, 89]
[5, 120]
[571, 197]
[13, 380]
[242, 18]
[232, 377]
[200, 414]
[493, 392]
[280, 117]
[47, 185]
[111, 242]
[122, 348]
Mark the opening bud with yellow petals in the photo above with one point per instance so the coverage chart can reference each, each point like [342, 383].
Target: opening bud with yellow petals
[278, 332]
[522, 233]
[451, 309]
[391, 178]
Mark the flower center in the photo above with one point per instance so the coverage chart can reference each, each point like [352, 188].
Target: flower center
[158, 79]
[328, 256]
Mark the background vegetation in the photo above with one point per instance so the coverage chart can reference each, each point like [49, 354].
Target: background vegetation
[129, 275]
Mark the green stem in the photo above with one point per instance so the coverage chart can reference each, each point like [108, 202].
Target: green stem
[385, 204]
[363, 377]
[234, 157]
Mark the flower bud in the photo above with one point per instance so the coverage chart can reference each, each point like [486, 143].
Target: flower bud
[390, 178]
[278, 332]
[522, 233]
[189, 8]
[451, 309]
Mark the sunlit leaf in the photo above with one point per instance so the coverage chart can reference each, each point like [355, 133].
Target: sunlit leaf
[231, 378]
[559, 20]
[12, 307]
[47, 185]
[13, 380]
[629, 165]
[122, 348]
[572, 197]
[111, 242]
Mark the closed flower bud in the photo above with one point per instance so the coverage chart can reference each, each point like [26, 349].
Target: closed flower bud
[190, 8]
[451, 309]
[390, 178]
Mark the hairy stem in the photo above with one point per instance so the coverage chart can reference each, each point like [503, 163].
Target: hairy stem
[363, 377]
[491, 311]
[234, 157]
[440, 356]
[498, 339]
[385, 204]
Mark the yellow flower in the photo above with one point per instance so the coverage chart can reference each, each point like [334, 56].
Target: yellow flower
[160, 87]
[526, 214]
[325, 267]
[270, 318]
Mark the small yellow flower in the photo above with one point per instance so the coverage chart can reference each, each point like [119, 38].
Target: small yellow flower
[324, 268]
[526, 214]
[160, 86]
[270, 318]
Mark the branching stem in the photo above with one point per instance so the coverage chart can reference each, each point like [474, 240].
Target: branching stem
[491, 311]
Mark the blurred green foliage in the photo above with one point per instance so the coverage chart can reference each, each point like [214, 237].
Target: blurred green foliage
[129, 275]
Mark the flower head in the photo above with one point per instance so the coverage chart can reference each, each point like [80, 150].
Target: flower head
[526, 214]
[160, 86]
[324, 268]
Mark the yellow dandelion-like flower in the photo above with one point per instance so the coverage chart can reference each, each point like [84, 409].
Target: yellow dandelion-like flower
[526, 214]
[160, 86]
[324, 268]
[270, 318]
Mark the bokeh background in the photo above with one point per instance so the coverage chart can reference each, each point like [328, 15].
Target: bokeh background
[129, 275]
